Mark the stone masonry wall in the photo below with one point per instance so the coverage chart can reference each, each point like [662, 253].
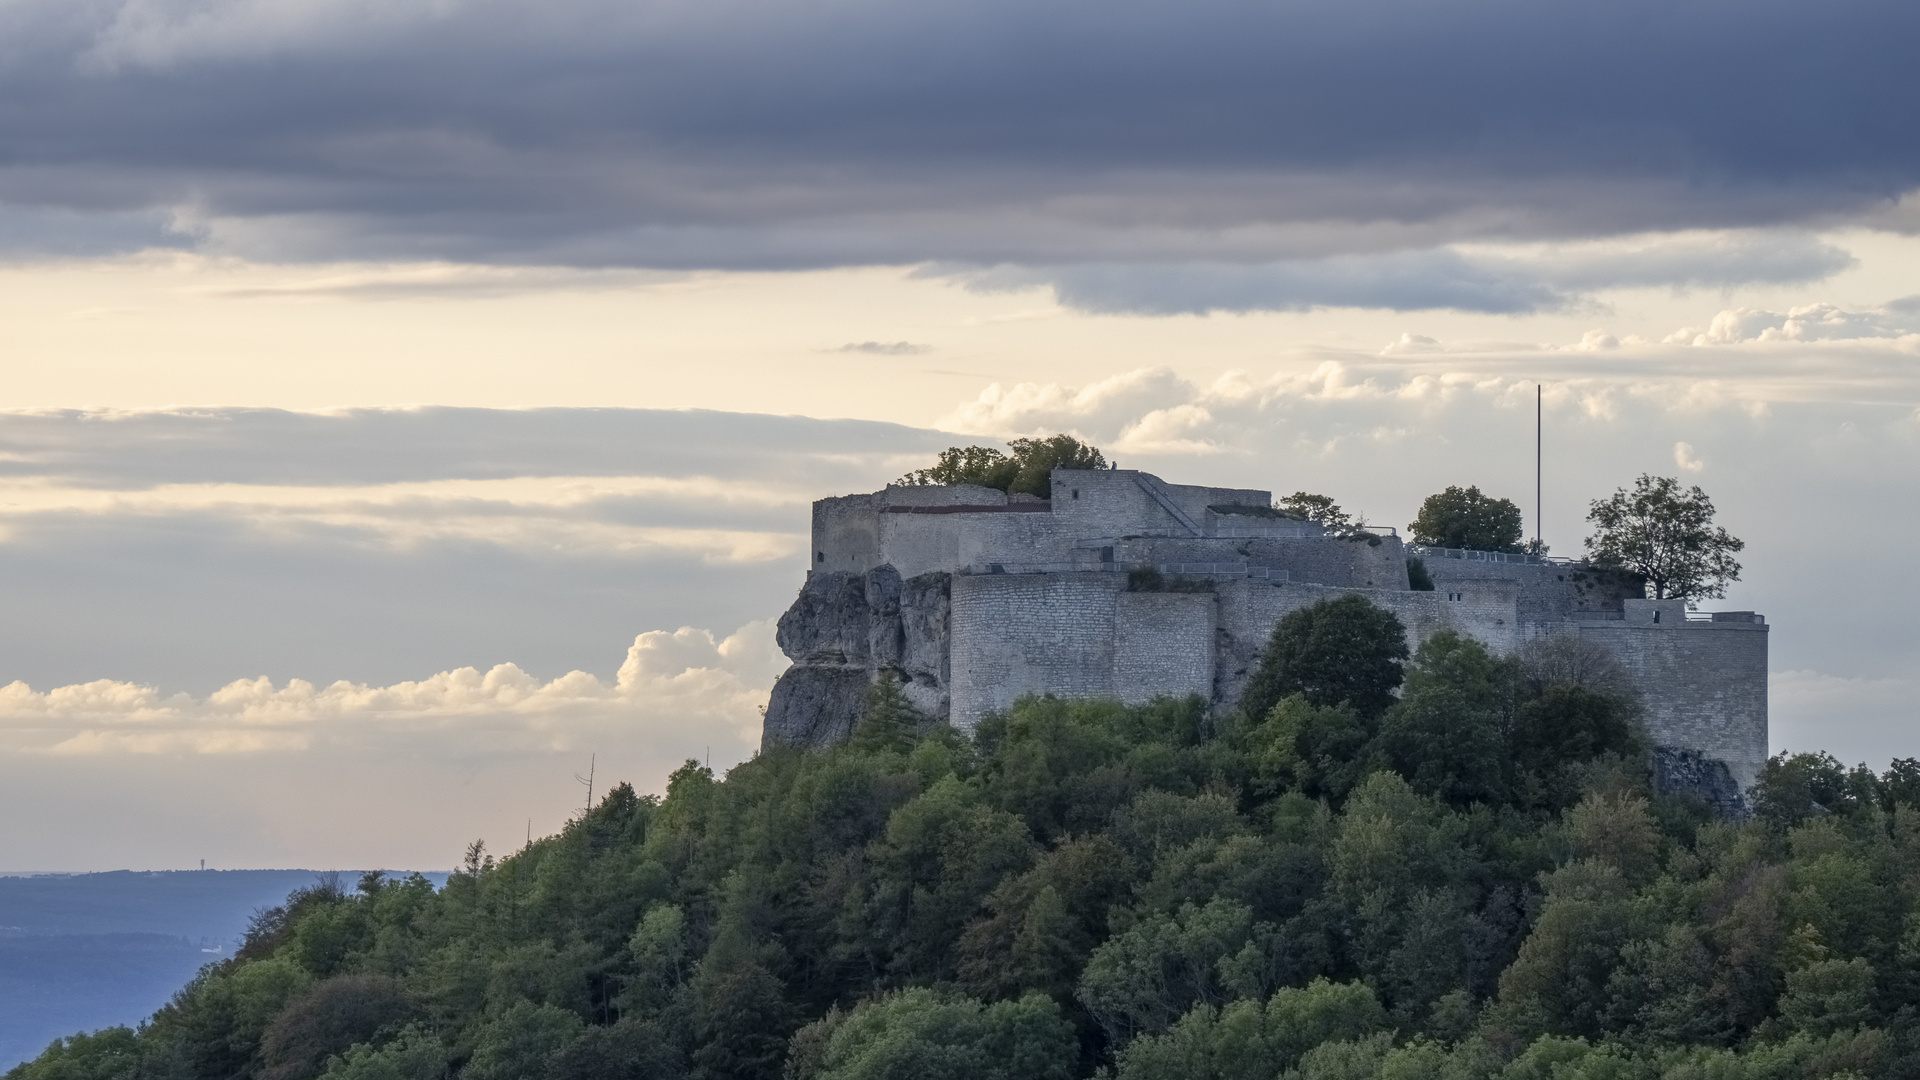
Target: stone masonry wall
[1702, 683]
[1249, 610]
[1548, 591]
[1163, 645]
[1018, 634]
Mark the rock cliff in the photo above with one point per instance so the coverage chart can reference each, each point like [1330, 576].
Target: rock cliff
[841, 633]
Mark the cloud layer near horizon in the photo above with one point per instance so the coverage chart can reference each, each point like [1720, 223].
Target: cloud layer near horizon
[253, 603]
[1138, 156]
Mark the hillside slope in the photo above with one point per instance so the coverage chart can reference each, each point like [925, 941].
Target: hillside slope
[1471, 881]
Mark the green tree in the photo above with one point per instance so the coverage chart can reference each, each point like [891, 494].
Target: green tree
[1028, 470]
[921, 1034]
[1665, 533]
[326, 1020]
[1319, 509]
[1464, 518]
[983, 466]
[1794, 787]
[107, 1054]
[1344, 650]
[518, 1042]
[1144, 979]
[413, 1055]
[746, 1020]
[1246, 1040]
[1418, 579]
[890, 721]
[1448, 732]
[1320, 750]
[1559, 730]
[1166, 892]
[1559, 982]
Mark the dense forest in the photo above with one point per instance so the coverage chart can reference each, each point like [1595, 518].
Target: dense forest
[1450, 864]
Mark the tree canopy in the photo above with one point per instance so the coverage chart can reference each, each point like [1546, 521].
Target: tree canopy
[1465, 518]
[1319, 509]
[1028, 470]
[1479, 881]
[1343, 651]
[1665, 533]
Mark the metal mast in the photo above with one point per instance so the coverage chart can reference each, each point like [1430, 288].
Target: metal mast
[1539, 413]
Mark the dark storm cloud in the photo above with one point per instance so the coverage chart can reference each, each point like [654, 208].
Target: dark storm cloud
[1504, 283]
[754, 134]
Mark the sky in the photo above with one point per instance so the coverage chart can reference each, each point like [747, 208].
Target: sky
[411, 409]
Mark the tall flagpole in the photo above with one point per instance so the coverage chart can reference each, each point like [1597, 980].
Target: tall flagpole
[1539, 413]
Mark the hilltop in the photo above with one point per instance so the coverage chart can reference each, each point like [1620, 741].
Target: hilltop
[1469, 876]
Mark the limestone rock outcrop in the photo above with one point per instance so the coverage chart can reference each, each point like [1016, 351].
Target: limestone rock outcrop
[842, 632]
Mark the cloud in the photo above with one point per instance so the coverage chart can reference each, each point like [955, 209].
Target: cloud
[407, 773]
[719, 520]
[1101, 410]
[1208, 156]
[439, 280]
[687, 677]
[886, 348]
[1813, 322]
[1490, 278]
[229, 616]
[1408, 344]
[186, 547]
[702, 450]
[1857, 719]
[1685, 459]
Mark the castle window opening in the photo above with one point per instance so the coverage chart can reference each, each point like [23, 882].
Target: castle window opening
[820, 556]
[1076, 493]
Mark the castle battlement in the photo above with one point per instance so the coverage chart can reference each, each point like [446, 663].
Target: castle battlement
[974, 598]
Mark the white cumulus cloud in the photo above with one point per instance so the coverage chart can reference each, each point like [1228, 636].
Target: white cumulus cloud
[685, 677]
[1812, 322]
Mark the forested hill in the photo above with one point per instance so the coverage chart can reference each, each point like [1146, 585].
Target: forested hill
[1470, 878]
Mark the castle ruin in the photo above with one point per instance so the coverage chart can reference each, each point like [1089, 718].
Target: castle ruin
[1125, 586]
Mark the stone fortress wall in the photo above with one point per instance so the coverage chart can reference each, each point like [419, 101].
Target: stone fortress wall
[975, 599]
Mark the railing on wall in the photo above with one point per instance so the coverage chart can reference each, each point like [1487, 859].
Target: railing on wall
[1214, 569]
[1256, 532]
[1188, 569]
[1471, 555]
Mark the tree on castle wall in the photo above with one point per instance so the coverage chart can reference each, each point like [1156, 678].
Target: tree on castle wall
[1465, 518]
[1666, 534]
[1319, 509]
[1026, 471]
